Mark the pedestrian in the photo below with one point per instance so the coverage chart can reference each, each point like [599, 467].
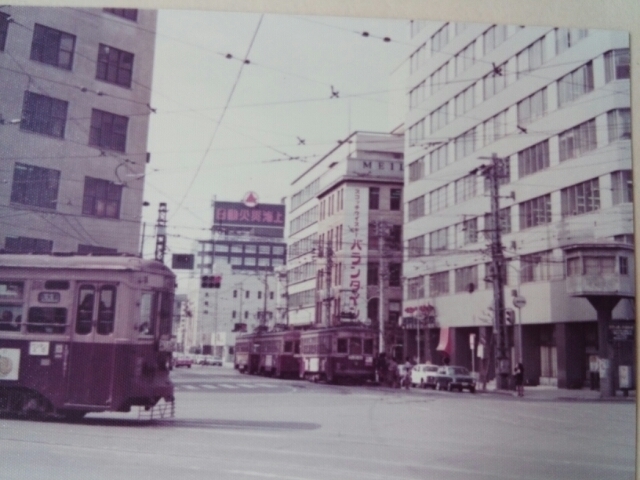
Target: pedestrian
[518, 375]
[406, 380]
[392, 373]
[381, 368]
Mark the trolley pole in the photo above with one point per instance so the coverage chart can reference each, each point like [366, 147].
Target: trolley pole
[161, 232]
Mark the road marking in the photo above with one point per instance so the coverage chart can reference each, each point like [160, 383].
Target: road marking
[227, 385]
[190, 387]
[265, 475]
[267, 385]
[210, 387]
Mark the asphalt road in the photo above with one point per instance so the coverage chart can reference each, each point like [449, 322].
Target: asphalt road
[293, 430]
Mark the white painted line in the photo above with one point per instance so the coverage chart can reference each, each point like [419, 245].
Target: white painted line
[267, 385]
[189, 387]
[210, 387]
[247, 385]
[264, 475]
[226, 385]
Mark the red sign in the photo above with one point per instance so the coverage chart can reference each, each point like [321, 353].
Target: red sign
[235, 213]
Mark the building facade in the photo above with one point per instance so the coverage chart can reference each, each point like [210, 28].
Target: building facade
[74, 117]
[553, 105]
[345, 234]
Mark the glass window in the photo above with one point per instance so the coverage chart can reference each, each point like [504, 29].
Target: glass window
[599, 265]
[437, 200]
[536, 211]
[128, 13]
[47, 320]
[52, 47]
[466, 278]
[43, 114]
[221, 247]
[416, 207]
[114, 65]
[148, 313]
[438, 283]
[4, 29]
[106, 310]
[416, 246]
[101, 198]
[264, 249]
[533, 159]
[372, 273]
[10, 315]
[250, 261]
[535, 267]
[263, 262]
[108, 130]
[581, 198]
[278, 250]
[578, 140]
[84, 315]
[235, 248]
[623, 263]
[438, 240]
[622, 186]
[27, 245]
[35, 186]
[396, 199]
[619, 124]
[575, 84]
[251, 249]
[617, 64]
[374, 198]
[568, 37]
[368, 346]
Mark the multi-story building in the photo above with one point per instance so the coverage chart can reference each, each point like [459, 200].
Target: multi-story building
[245, 251]
[74, 117]
[345, 233]
[553, 104]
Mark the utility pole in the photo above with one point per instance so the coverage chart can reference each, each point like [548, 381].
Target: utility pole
[381, 232]
[327, 290]
[161, 232]
[493, 173]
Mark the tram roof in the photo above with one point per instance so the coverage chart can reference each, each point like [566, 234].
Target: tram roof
[81, 262]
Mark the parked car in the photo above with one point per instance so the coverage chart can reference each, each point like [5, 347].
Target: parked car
[424, 375]
[182, 361]
[455, 378]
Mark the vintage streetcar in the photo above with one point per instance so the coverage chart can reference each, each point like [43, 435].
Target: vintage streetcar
[82, 334]
[247, 359]
[344, 353]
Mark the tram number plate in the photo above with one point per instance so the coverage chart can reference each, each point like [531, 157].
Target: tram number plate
[356, 357]
[39, 348]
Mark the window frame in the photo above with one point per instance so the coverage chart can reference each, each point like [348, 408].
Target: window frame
[47, 43]
[101, 198]
[104, 133]
[44, 114]
[112, 63]
[31, 190]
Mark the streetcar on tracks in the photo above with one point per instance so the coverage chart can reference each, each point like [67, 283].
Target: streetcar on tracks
[247, 355]
[82, 334]
[343, 353]
[279, 353]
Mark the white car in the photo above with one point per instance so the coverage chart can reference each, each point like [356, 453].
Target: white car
[424, 375]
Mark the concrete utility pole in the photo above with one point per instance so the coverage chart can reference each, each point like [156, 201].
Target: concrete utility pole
[327, 289]
[493, 173]
[381, 232]
[266, 292]
[161, 232]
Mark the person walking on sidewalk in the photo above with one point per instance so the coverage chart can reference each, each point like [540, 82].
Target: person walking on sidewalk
[518, 375]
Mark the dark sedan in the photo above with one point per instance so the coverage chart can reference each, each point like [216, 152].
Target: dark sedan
[455, 378]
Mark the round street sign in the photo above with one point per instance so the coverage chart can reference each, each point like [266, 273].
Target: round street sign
[519, 301]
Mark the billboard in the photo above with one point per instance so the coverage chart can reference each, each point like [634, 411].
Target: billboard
[230, 214]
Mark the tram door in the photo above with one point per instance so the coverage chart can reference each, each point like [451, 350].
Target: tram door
[92, 351]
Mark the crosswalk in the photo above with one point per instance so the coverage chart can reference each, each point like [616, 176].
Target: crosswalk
[193, 387]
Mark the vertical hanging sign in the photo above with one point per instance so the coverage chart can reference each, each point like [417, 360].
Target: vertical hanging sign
[356, 250]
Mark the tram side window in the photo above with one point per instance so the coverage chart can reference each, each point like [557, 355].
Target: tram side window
[342, 345]
[148, 313]
[47, 320]
[84, 317]
[10, 317]
[355, 346]
[106, 310]
[166, 307]
[368, 346]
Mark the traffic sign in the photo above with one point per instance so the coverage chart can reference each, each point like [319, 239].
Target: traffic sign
[519, 301]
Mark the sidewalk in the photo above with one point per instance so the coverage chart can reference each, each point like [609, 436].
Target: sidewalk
[544, 392]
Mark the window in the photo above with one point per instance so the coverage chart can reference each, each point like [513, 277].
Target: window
[4, 29]
[249, 261]
[246, 294]
[415, 246]
[278, 250]
[52, 47]
[568, 37]
[533, 159]
[466, 279]
[416, 132]
[599, 265]
[495, 82]
[493, 37]
[440, 38]
[581, 198]
[263, 262]
[578, 140]
[505, 221]
[416, 170]
[438, 79]
[622, 187]
[439, 118]
[532, 107]
[624, 238]
[417, 95]
[114, 66]
[415, 288]
[416, 208]
[438, 240]
[495, 128]
[617, 64]
[372, 273]
[465, 188]
[530, 58]
[107, 309]
[259, 294]
[465, 144]
[535, 267]
[35, 186]
[438, 283]
[47, 320]
[234, 314]
[262, 250]
[575, 84]
[417, 58]
[438, 158]
[467, 232]
[465, 58]
[623, 264]
[42, 114]
[464, 101]
[101, 198]
[128, 13]
[536, 211]
[246, 314]
[270, 295]
[235, 294]
[96, 250]
[394, 238]
[438, 199]
[374, 198]
[619, 124]
[27, 245]
[395, 202]
[235, 261]
[395, 274]
[108, 130]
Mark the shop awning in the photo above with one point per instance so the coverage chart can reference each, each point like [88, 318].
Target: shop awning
[444, 345]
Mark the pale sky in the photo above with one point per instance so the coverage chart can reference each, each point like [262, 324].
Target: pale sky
[282, 94]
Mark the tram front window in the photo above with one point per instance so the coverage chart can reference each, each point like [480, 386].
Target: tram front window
[84, 317]
[47, 320]
[106, 310]
[355, 346]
